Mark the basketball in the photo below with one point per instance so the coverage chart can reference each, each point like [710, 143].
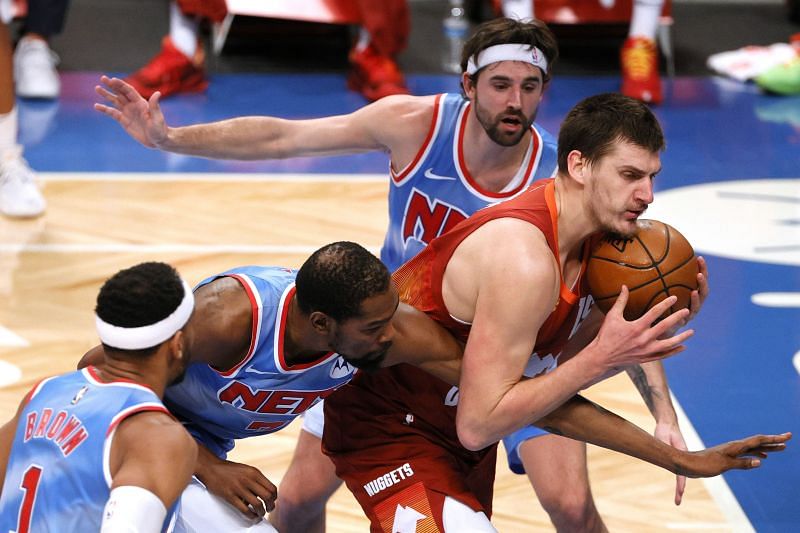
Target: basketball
[656, 263]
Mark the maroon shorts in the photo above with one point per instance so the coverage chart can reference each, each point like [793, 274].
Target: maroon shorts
[214, 10]
[392, 438]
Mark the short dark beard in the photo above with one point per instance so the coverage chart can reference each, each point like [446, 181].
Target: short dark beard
[492, 126]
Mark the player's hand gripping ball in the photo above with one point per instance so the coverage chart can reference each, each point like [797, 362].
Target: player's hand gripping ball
[656, 263]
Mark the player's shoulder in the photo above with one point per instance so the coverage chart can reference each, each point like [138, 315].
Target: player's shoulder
[406, 109]
[154, 439]
[524, 249]
[154, 426]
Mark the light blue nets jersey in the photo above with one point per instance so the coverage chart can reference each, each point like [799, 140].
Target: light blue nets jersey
[58, 476]
[436, 191]
[261, 394]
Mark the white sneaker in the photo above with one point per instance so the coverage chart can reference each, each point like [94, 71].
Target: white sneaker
[19, 194]
[35, 72]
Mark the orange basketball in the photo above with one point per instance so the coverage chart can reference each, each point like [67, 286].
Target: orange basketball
[654, 264]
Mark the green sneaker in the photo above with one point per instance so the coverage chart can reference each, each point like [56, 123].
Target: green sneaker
[781, 79]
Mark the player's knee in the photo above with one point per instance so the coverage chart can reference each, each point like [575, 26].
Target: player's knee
[571, 511]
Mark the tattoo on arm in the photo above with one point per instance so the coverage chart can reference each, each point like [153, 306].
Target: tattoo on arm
[639, 379]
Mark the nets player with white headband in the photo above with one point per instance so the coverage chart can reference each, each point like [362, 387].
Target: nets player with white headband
[450, 155]
[79, 455]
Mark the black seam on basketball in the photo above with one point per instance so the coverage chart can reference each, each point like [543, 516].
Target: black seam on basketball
[653, 259]
[680, 266]
[630, 289]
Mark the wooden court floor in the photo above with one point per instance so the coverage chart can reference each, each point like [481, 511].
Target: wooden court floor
[51, 269]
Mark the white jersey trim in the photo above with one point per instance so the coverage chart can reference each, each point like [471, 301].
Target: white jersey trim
[38, 387]
[114, 424]
[257, 307]
[95, 381]
[415, 165]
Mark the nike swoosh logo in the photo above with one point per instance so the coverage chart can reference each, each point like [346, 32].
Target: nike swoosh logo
[431, 176]
[252, 370]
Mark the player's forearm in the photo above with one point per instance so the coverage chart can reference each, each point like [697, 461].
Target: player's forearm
[205, 460]
[651, 382]
[583, 420]
[480, 424]
[243, 138]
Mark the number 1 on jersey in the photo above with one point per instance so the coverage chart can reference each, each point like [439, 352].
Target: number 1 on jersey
[30, 482]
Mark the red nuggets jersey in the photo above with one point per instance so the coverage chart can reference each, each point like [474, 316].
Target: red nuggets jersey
[392, 433]
[419, 281]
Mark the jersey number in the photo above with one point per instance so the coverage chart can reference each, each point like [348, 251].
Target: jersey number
[30, 482]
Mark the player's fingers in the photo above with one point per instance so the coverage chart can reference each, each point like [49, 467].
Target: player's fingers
[264, 489]
[680, 487]
[664, 354]
[126, 90]
[621, 301]
[757, 441]
[241, 504]
[660, 309]
[154, 101]
[702, 266]
[767, 448]
[105, 93]
[746, 463]
[259, 483]
[670, 343]
[105, 80]
[255, 505]
[110, 111]
[694, 305]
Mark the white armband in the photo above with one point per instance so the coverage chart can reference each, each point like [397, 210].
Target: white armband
[133, 509]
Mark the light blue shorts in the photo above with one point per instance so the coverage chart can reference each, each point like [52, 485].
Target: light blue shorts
[514, 441]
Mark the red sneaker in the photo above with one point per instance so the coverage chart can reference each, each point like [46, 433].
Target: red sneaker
[640, 77]
[374, 75]
[170, 72]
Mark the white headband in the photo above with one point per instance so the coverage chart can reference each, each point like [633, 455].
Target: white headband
[147, 336]
[508, 52]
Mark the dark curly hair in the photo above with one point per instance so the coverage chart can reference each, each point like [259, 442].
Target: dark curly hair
[139, 296]
[338, 277]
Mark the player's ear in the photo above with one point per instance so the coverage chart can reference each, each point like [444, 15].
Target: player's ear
[468, 85]
[577, 166]
[176, 345]
[321, 322]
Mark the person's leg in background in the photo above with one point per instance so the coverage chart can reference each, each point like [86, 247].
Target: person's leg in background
[639, 55]
[180, 65]
[19, 194]
[373, 60]
[306, 488]
[309, 481]
[556, 468]
[35, 63]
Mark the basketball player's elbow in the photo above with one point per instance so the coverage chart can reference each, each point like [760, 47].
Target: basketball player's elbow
[474, 433]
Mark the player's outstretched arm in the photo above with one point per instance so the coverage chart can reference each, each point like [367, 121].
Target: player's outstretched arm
[388, 124]
[583, 420]
[242, 486]
[421, 341]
